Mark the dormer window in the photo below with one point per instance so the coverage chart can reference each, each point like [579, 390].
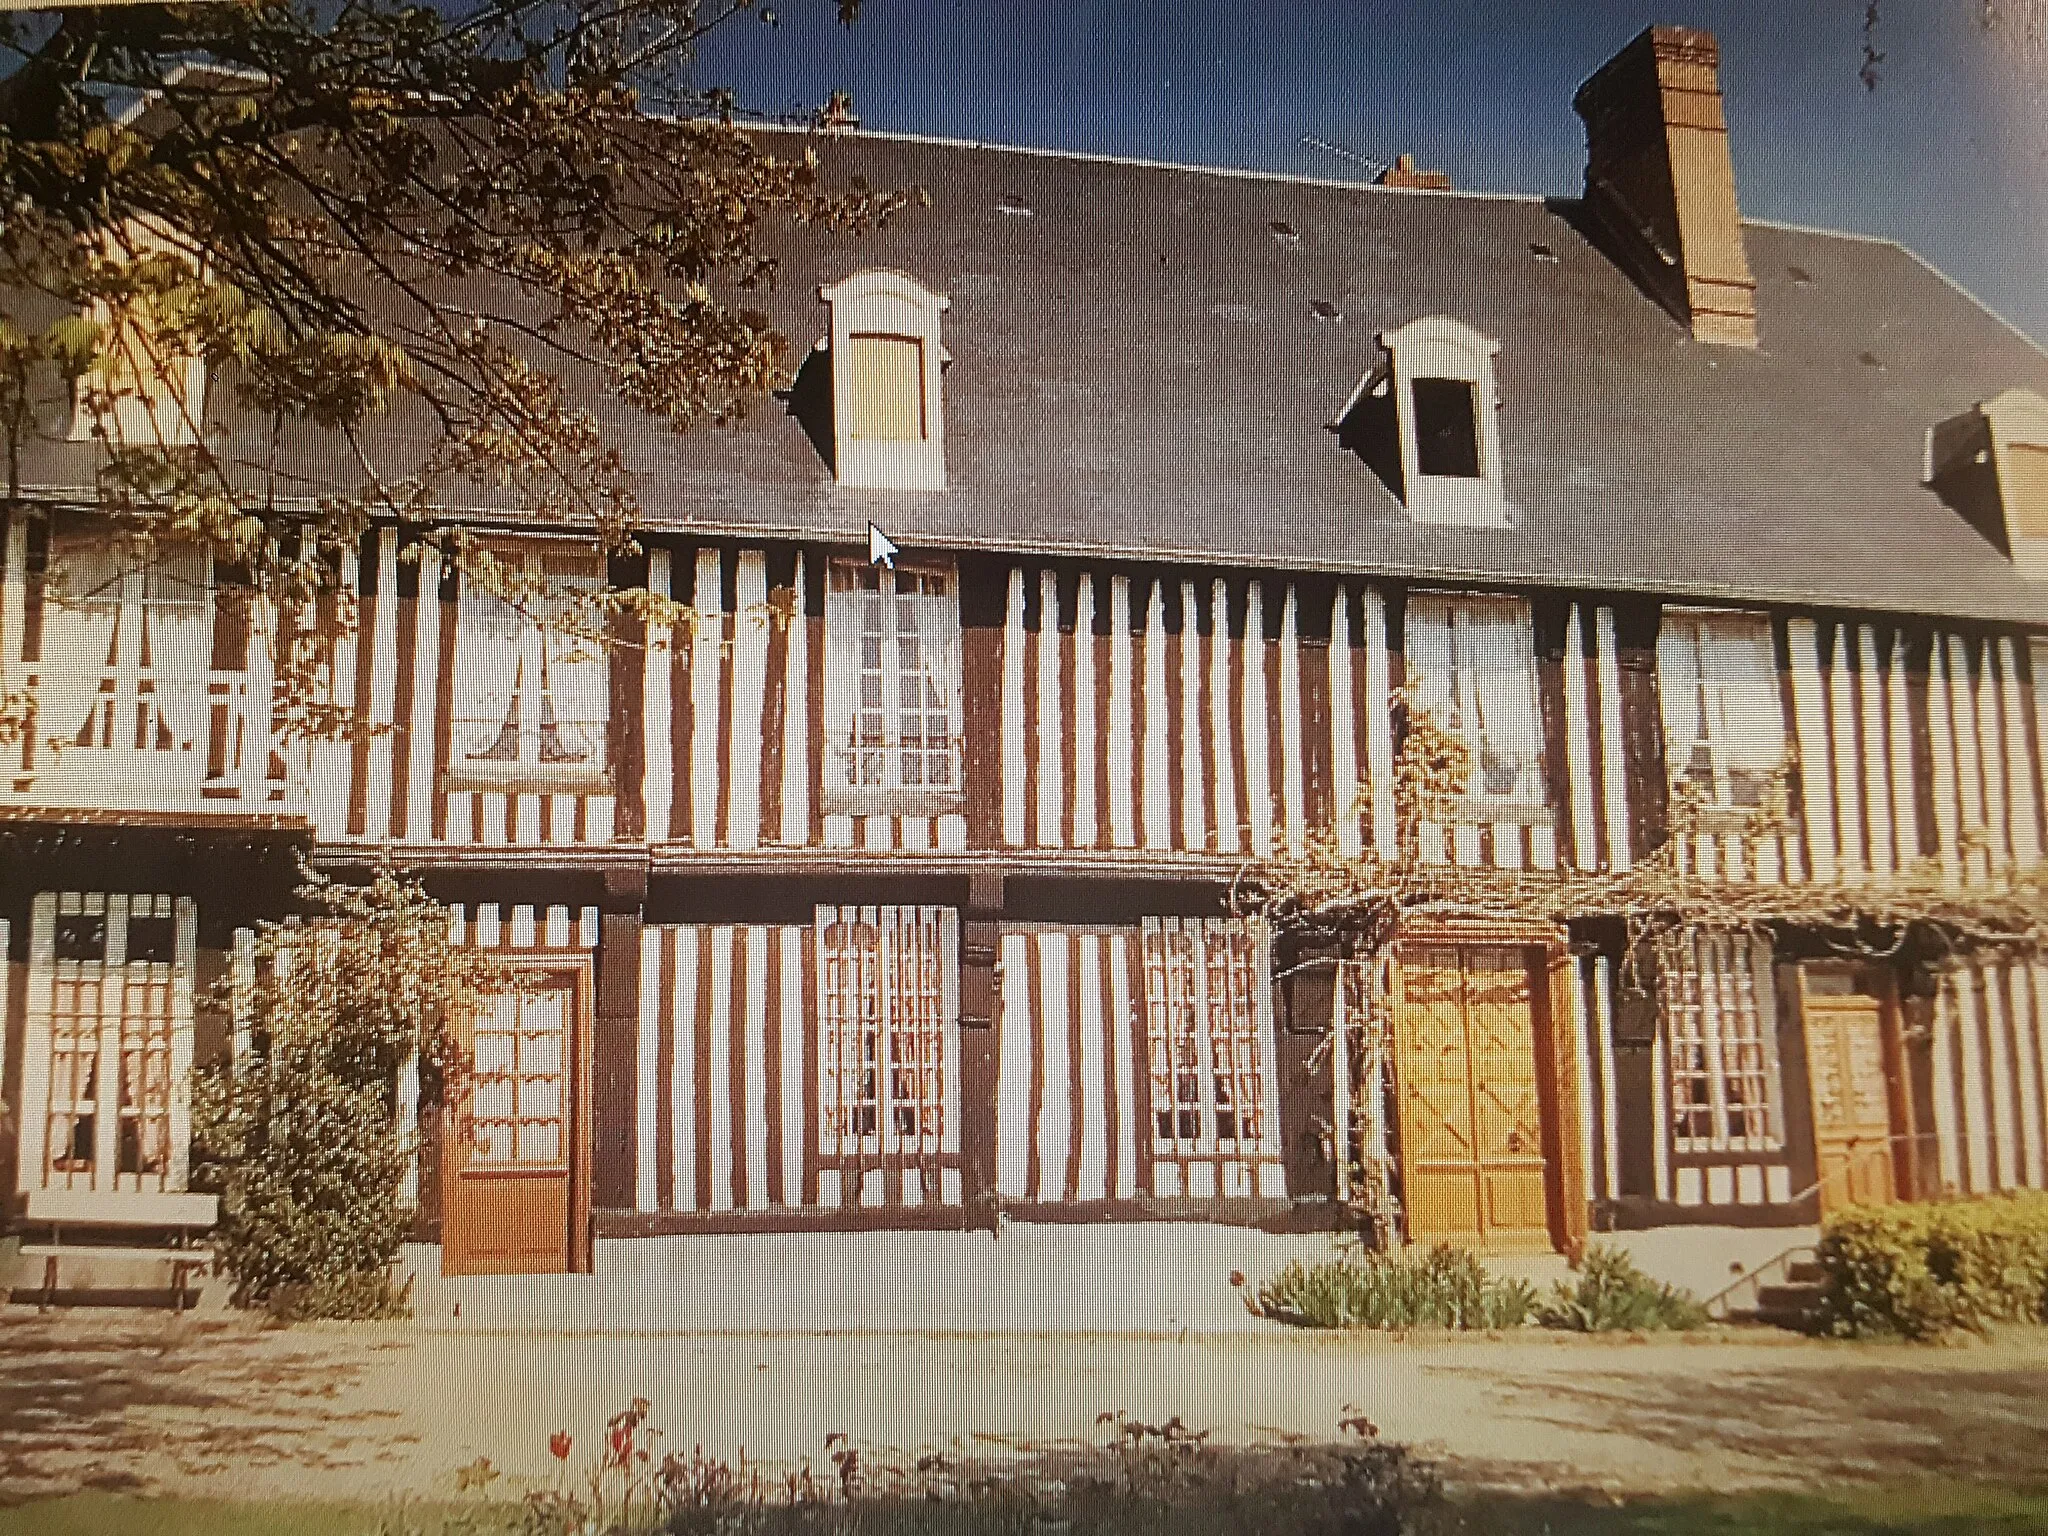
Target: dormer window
[143, 392]
[888, 429]
[1991, 464]
[1426, 418]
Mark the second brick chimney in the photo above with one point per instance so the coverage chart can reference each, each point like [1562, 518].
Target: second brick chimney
[1660, 185]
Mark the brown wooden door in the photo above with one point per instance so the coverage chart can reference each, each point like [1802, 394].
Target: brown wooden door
[1846, 1057]
[1473, 1169]
[515, 1171]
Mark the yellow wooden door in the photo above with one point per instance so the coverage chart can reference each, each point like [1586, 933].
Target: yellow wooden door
[1472, 1163]
[512, 1160]
[1852, 1125]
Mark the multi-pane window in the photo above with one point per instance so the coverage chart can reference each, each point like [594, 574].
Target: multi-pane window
[109, 1041]
[1205, 1033]
[1472, 668]
[127, 644]
[519, 1080]
[887, 1022]
[1721, 1059]
[892, 640]
[532, 686]
[1724, 722]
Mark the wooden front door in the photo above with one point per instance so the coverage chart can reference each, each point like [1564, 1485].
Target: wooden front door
[515, 1164]
[1468, 1082]
[1850, 1063]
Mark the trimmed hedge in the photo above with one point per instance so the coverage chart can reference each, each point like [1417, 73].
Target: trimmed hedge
[1923, 1271]
[1444, 1288]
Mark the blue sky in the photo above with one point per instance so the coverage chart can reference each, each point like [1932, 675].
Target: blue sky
[1949, 155]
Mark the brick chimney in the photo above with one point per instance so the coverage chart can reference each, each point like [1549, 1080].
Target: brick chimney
[1405, 173]
[1660, 186]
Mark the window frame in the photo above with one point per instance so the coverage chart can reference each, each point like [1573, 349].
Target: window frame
[159, 1030]
[1180, 1008]
[529, 772]
[1479, 804]
[1698, 1045]
[846, 634]
[1723, 800]
[879, 942]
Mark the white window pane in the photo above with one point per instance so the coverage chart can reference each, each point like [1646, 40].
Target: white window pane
[886, 382]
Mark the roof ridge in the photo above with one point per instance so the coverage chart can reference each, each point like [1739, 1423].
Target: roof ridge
[1092, 157]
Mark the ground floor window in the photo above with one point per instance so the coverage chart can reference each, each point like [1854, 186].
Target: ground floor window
[1721, 1052]
[888, 1047]
[519, 1081]
[1208, 1032]
[106, 1088]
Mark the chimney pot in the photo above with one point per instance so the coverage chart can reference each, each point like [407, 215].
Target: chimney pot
[1660, 184]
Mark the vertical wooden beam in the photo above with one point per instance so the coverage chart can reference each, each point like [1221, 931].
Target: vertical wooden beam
[1016, 766]
[1255, 725]
[1947, 1103]
[1379, 729]
[2026, 1068]
[1155, 790]
[657, 679]
[1877, 799]
[749, 700]
[426, 700]
[383, 687]
[1046, 750]
[1343, 754]
[1583, 1055]
[647, 1077]
[1221, 748]
[1293, 774]
[2022, 802]
[1613, 747]
[1899, 742]
[1842, 749]
[334, 761]
[1809, 719]
[1975, 1094]
[1123, 820]
[797, 707]
[1610, 1097]
[707, 646]
[1942, 746]
[1969, 762]
[1998, 1026]
[1086, 728]
[184, 965]
[1578, 745]
[1991, 744]
[1194, 830]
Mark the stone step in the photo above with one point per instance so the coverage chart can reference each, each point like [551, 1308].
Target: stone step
[1805, 1272]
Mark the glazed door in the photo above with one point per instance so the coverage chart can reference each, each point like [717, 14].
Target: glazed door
[1852, 1089]
[1466, 1075]
[515, 1170]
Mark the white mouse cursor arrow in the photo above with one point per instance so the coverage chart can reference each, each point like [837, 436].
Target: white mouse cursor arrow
[881, 548]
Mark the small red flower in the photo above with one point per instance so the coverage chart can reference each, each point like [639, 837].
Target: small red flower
[558, 1444]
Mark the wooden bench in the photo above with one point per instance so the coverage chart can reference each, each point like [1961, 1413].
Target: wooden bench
[99, 1221]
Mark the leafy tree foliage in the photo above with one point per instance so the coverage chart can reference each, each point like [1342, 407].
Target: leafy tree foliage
[302, 1135]
[471, 217]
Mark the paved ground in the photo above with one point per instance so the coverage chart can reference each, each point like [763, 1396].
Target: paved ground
[219, 1407]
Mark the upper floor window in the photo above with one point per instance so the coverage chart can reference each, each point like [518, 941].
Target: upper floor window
[127, 643]
[1427, 420]
[886, 363]
[892, 690]
[1472, 668]
[532, 685]
[1991, 464]
[1724, 721]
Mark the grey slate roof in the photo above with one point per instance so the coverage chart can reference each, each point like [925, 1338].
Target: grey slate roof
[1137, 370]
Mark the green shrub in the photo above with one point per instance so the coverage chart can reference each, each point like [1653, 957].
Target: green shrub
[1444, 1288]
[1611, 1294]
[1922, 1271]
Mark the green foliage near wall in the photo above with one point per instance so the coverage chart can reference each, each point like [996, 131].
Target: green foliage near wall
[303, 1135]
[1444, 1288]
[1611, 1295]
[1924, 1271]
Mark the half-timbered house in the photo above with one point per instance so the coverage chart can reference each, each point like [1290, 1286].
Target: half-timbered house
[899, 894]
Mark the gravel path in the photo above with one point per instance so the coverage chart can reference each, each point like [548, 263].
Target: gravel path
[220, 1407]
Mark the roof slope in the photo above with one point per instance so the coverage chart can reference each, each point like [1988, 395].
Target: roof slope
[1137, 369]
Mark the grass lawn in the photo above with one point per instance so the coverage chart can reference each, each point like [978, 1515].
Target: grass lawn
[1930, 1508]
